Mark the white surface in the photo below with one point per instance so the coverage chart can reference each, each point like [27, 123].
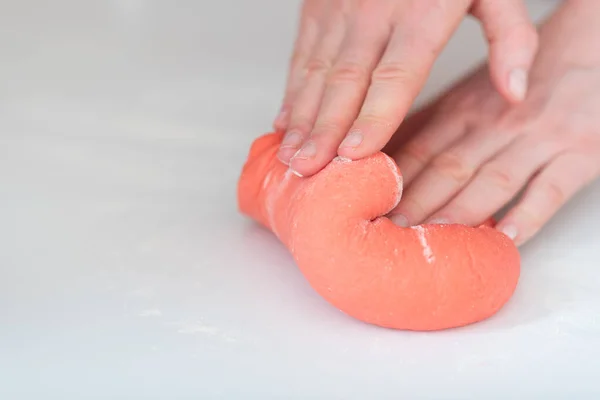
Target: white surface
[126, 271]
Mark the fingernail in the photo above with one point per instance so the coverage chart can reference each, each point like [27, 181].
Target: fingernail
[517, 83]
[352, 140]
[510, 231]
[309, 150]
[292, 139]
[298, 174]
[400, 220]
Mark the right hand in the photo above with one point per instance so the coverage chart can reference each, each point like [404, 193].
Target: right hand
[470, 153]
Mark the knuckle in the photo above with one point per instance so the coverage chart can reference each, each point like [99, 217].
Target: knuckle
[298, 57]
[421, 44]
[519, 122]
[556, 195]
[460, 211]
[417, 150]
[524, 33]
[500, 177]
[393, 73]
[535, 214]
[348, 72]
[301, 124]
[316, 66]
[412, 209]
[452, 166]
[426, 45]
[528, 218]
[374, 120]
[511, 123]
[457, 100]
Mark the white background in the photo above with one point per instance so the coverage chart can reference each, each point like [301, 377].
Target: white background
[127, 272]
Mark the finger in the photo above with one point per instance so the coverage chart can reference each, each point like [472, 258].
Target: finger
[308, 100]
[345, 90]
[513, 41]
[437, 135]
[413, 124]
[447, 173]
[400, 74]
[560, 180]
[497, 182]
[426, 133]
[306, 39]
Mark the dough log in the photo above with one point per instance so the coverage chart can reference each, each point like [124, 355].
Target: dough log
[426, 277]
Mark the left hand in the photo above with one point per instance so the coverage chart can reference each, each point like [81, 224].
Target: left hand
[358, 65]
[473, 152]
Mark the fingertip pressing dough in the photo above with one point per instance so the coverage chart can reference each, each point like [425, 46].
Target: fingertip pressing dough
[426, 277]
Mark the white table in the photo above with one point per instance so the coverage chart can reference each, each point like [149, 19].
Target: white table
[126, 271]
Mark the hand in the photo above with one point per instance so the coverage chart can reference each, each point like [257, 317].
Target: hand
[475, 152]
[358, 65]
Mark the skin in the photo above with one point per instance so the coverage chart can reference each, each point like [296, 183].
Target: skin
[470, 153]
[358, 65]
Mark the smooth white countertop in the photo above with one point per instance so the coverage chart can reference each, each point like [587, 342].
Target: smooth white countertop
[127, 273]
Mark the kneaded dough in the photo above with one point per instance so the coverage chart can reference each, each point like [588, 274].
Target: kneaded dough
[426, 277]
